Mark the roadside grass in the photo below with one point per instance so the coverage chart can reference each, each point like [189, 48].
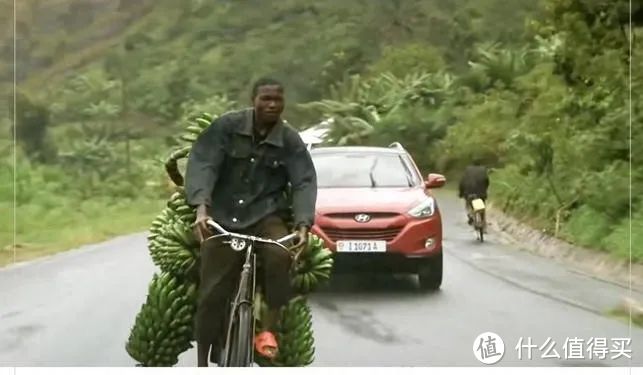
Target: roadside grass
[622, 312]
[46, 231]
[593, 232]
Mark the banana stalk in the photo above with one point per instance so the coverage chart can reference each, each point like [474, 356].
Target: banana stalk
[172, 166]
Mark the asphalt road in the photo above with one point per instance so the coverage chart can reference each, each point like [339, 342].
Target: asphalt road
[76, 309]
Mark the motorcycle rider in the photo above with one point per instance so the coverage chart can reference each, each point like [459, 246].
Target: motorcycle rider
[473, 184]
[240, 171]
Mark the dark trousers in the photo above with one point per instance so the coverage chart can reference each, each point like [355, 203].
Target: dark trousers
[220, 270]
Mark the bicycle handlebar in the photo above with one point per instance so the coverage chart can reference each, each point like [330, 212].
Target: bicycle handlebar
[280, 242]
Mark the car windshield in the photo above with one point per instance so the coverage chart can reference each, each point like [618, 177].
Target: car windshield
[357, 170]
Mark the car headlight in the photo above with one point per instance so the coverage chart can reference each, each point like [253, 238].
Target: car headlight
[426, 208]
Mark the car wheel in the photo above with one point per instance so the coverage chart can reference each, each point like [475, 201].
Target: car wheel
[430, 273]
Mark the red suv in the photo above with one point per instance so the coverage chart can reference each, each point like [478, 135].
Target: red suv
[376, 212]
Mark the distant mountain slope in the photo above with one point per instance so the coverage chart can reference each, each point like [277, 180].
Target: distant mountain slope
[223, 45]
[55, 32]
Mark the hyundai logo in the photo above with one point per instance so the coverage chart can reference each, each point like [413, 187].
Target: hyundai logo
[362, 218]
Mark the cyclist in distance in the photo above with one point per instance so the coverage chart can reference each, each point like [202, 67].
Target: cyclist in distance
[473, 184]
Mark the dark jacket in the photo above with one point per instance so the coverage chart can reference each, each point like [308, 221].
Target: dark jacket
[475, 180]
[243, 181]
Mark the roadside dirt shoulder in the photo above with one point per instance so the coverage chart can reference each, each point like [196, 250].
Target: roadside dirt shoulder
[587, 261]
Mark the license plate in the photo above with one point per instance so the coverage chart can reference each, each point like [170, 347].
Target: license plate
[361, 246]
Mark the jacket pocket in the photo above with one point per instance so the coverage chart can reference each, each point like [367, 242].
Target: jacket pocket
[273, 163]
[239, 148]
[275, 171]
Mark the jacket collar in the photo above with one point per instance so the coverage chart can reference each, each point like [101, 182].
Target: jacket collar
[276, 135]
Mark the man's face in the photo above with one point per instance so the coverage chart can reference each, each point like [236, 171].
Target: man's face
[269, 103]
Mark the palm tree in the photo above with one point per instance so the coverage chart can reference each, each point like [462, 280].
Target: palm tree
[358, 105]
[501, 65]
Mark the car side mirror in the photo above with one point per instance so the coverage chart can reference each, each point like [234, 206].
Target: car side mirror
[435, 180]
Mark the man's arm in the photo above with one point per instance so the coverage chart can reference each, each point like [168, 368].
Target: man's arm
[303, 179]
[203, 165]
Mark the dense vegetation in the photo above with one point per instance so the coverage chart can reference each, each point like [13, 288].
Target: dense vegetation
[538, 89]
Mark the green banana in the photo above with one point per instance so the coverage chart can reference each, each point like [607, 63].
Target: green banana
[194, 129]
[203, 123]
[188, 137]
[184, 209]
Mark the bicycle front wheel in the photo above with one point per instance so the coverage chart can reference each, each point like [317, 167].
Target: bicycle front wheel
[241, 341]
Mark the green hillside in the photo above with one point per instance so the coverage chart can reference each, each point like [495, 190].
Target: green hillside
[107, 83]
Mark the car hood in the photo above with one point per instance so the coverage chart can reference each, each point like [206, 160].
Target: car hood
[338, 200]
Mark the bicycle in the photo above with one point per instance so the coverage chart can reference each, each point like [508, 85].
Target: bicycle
[238, 348]
[477, 205]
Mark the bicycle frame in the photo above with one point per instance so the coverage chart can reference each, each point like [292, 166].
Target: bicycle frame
[241, 242]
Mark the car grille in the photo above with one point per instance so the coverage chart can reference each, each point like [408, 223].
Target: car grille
[336, 234]
[373, 215]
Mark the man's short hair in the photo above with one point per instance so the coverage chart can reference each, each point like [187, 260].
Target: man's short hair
[265, 81]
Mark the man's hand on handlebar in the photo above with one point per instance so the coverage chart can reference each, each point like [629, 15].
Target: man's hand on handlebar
[302, 241]
[201, 229]
[302, 237]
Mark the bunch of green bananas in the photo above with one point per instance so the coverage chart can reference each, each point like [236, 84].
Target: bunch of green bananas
[163, 327]
[157, 341]
[314, 266]
[294, 335]
[171, 242]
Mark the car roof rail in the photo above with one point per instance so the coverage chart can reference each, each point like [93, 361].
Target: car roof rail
[397, 145]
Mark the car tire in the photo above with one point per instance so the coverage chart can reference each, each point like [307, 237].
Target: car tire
[430, 273]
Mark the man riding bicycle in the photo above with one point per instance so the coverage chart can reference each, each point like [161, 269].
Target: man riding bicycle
[240, 172]
[473, 184]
